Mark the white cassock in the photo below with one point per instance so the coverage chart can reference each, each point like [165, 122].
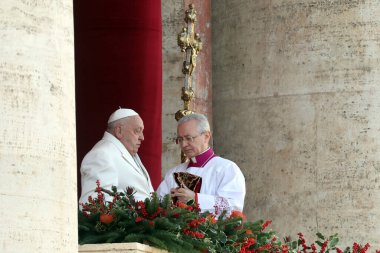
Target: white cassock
[223, 185]
[111, 163]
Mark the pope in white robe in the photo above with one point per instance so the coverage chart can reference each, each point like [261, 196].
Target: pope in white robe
[221, 184]
[114, 160]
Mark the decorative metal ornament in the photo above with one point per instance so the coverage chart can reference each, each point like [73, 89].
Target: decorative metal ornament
[190, 43]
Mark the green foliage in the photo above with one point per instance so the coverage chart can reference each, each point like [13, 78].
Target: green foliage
[181, 227]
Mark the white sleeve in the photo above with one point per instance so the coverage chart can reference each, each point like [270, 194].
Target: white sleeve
[166, 184]
[97, 165]
[230, 191]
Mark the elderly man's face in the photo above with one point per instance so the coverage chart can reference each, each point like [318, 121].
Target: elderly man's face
[192, 142]
[130, 133]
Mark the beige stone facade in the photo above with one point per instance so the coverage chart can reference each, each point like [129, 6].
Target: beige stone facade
[296, 105]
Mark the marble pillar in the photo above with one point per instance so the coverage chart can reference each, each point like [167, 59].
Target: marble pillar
[297, 107]
[37, 127]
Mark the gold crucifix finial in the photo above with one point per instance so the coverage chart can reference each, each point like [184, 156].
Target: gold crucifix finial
[190, 43]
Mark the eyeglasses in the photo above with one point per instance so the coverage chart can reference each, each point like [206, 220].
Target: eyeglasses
[179, 140]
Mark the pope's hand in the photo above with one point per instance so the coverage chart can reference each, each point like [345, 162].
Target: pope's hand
[183, 194]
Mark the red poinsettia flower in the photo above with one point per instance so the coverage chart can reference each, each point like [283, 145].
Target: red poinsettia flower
[266, 224]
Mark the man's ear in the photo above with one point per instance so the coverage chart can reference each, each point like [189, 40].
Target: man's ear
[117, 131]
[207, 135]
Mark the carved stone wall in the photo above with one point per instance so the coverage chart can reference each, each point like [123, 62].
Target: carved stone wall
[296, 105]
[37, 127]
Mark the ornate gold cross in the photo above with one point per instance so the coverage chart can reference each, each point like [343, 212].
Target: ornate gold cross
[190, 43]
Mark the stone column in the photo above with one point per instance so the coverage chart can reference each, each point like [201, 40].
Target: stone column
[296, 105]
[37, 127]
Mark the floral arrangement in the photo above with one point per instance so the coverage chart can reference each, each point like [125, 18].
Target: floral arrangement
[181, 227]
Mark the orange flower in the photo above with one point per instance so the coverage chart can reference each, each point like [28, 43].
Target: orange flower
[106, 218]
[237, 213]
[211, 218]
[182, 205]
[248, 231]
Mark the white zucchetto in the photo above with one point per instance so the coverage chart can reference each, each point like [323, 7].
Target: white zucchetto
[121, 113]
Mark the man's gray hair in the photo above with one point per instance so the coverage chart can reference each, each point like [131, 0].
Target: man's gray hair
[202, 122]
[111, 126]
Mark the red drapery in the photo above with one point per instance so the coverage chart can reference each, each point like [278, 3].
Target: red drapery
[118, 63]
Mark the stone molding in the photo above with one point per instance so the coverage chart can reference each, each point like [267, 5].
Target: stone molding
[132, 247]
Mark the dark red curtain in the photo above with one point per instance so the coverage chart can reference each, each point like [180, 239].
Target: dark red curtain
[118, 63]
